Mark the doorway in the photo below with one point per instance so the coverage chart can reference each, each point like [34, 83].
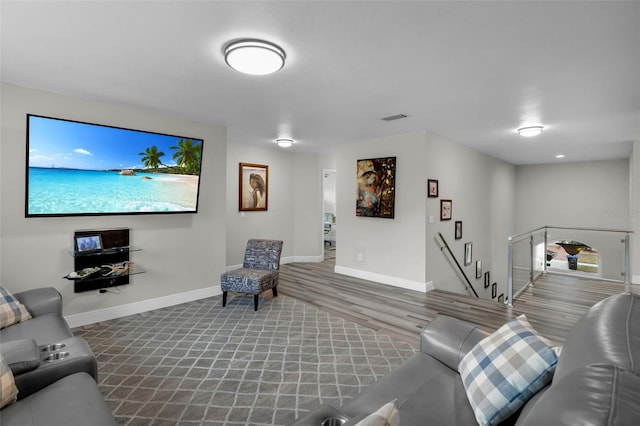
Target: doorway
[329, 222]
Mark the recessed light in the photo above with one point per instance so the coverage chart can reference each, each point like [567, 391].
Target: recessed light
[560, 156]
[255, 57]
[530, 131]
[284, 143]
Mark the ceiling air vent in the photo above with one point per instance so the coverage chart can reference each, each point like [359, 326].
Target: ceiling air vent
[393, 117]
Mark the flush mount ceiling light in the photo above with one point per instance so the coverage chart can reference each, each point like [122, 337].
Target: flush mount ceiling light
[530, 131]
[254, 57]
[284, 143]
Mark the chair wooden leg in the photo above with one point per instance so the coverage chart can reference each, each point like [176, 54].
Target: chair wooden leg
[275, 291]
[255, 301]
[224, 299]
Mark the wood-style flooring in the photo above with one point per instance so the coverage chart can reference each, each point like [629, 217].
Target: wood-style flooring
[553, 305]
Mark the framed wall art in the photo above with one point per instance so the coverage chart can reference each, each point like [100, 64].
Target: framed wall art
[478, 269]
[494, 290]
[376, 187]
[254, 187]
[487, 279]
[432, 188]
[501, 298]
[468, 253]
[458, 233]
[445, 209]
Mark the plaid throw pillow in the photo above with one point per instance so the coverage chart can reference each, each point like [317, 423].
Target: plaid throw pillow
[11, 310]
[505, 369]
[8, 390]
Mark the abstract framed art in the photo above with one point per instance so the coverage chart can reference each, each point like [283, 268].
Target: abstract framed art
[376, 187]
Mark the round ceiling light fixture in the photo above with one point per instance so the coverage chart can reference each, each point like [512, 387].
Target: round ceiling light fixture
[255, 57]
[530, 131]
[284, 143]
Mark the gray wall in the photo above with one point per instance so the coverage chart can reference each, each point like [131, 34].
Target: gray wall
[294, 213]
[482, 190]
[592, 194]
[403, 251]
[181, 253]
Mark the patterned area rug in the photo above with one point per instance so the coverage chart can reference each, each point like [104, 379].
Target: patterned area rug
[199, 363]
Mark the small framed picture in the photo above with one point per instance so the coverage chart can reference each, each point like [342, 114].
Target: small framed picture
[494, 290]
[487, 279]
[458, 229]
[478, 269]
[501, 298]
[88, 243]
[445, 209]
[468, 253]
[432, 191]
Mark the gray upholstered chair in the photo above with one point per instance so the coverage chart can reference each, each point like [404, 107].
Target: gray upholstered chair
[260, 271]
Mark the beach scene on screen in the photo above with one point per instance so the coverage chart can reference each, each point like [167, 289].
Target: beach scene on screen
[81, 168]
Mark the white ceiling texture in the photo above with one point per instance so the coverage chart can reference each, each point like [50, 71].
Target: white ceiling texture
[471, 71]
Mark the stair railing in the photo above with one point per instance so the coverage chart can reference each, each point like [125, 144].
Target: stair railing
[526, 265]
[468, 286]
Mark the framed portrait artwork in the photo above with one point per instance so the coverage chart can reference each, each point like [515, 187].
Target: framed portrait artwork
[254, 187]
[376, 187]
[458, 230]
[445, 209]
[432, 188]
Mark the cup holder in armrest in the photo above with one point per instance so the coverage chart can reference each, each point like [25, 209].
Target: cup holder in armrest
[52, 347]
[56, 356]
[333, 421]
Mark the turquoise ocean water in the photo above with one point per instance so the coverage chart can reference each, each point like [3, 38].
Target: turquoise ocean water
[60, 191]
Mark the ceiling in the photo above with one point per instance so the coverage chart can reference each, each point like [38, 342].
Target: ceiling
[470, 71]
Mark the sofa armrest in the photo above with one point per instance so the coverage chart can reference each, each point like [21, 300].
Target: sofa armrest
[21, 355]
[40, 301]
[448, 339]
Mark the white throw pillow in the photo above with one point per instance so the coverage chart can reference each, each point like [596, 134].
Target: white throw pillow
[387, 415]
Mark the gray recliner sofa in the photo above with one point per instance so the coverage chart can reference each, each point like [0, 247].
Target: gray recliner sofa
[55, 372]
[596, 381]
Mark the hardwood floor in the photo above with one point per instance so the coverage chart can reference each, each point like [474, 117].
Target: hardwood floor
[553, 305]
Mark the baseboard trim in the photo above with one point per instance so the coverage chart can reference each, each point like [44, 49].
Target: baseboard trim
[92, 317]
[385, 279]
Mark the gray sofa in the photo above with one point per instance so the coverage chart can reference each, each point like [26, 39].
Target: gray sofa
[596, 381]
[55, 372]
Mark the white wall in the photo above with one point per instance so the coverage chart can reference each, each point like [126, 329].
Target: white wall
[592, 194]
[294, 212]
[182, 254]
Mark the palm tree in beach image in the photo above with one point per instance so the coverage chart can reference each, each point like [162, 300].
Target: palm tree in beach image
[187, 156]
[151, 157]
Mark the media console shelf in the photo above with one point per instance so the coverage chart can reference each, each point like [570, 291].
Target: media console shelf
[106, 250]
